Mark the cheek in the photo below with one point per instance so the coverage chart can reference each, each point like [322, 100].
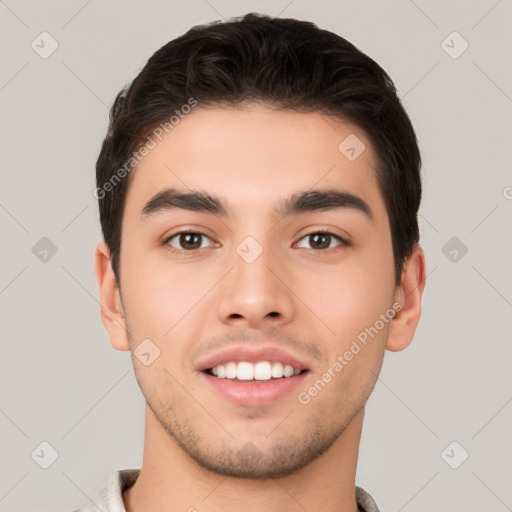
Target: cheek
[146, 284]
[162, 298]
[349, 298]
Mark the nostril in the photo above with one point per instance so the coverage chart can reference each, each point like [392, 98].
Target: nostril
[273, 314]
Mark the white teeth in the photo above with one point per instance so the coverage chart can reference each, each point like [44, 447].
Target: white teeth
[277, 370]
[245, 371]
[288, 371]
[263, 370]
[231, 371]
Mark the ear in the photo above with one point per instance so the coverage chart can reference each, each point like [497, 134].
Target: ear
[112, 314]
[408, 295]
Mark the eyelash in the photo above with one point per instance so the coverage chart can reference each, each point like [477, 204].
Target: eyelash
[343, 242]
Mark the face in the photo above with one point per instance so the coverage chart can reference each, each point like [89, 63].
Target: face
[254, 281]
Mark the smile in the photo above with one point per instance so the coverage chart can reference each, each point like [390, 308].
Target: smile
[262, 371]
[252, 390]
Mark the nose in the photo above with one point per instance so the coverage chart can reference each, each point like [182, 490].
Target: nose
[257, 294]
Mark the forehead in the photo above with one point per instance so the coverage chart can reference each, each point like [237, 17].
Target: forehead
[256, 156]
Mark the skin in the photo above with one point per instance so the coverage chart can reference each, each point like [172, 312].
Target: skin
[196, 451]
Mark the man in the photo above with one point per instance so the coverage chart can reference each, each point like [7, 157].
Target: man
[258, 191]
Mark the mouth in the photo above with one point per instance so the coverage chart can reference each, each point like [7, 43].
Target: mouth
[262, 371]
[253, 378]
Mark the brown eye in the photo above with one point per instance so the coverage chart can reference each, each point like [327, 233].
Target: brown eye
[187, 241]
[321, 241]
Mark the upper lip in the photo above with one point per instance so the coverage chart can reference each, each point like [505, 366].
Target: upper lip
[252, 355]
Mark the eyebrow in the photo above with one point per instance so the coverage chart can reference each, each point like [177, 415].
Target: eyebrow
[300, 202]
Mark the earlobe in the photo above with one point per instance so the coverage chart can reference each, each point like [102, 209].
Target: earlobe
[112, 314]
[408, 295]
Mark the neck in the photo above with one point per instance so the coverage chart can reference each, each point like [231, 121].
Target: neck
[170, 480]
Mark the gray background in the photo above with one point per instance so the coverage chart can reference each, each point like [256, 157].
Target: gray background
[62, 383]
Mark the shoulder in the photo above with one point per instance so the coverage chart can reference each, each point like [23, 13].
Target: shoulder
[109, 498]
[365, 502]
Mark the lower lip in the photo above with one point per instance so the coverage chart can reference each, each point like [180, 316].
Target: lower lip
[254, 393]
